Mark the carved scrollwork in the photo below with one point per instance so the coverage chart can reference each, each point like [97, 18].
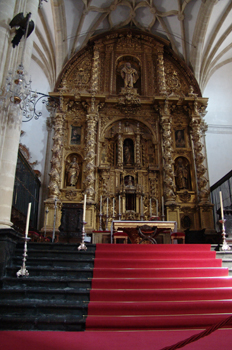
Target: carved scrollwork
[129, 101]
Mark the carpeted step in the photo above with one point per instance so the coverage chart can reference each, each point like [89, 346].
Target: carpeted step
[158, 263]
[150, 308]
[176, 294]
[170, 255]
[158, 283]
[153, 287]
[158, 322]
[153, 247]
[159, 272]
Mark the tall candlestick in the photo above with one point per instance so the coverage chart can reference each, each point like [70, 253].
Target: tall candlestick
[157, 207]
[113, 206]
[150, 209]
[84, 210]
[107, 205]
[162, 206]
[28, 219]
[119, 205]
[222, 211]
[101, 205]
[141, 209]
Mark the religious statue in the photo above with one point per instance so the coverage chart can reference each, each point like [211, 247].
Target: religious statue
[72, 172]
[129, 75]
[182, 175]
[180, 138]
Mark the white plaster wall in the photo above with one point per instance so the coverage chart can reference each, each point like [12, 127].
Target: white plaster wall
[219, 119]
[35, 137]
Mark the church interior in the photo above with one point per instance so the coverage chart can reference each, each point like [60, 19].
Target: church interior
[114, 114]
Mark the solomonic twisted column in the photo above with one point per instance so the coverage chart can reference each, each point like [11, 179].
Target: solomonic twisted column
[91, 119]
[169, 187]
[202, 182]
[56, 161]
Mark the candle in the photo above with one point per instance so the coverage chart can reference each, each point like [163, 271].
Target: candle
[107, 205]
[119, 205]
[113, 205]
[162, 206]
[157, 208]
[28, 219]
[222, 212]
[150, 209]
[84, 210]
[141, 209]
[101, 205]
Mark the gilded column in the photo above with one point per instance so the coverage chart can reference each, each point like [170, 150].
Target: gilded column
[161, 72]
[56, 161]
[91, 119]
[138, 147]
[202, 182]
[120, 146]
[167, 151]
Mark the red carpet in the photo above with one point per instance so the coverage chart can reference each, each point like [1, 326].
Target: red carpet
[150, 340]
[157, 287]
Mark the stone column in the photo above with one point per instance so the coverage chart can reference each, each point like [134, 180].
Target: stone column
[167, 152]
[11, 115]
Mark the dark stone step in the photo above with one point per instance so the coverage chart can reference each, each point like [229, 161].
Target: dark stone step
[42, 308]
[43, 323]
[55, 262]
[59, 254]
[35, 295]
[57, 246]
[52, 272]
[41, 282]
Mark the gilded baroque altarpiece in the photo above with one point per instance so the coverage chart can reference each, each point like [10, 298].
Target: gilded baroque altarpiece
[129, 133]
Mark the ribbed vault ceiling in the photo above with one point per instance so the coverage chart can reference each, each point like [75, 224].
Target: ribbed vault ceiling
[199, 31]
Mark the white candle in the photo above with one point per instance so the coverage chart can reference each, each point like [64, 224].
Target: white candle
[162, 206]
[119, 205]
[113, 205]
[28, 219]
[101, 205]
[141, 209]
[222, 212]
[157, 207]
[150, 209]
[84, 210]
[107, 205]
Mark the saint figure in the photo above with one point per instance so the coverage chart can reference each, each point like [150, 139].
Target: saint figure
[72, 172]
[129, 75]
[181, 175]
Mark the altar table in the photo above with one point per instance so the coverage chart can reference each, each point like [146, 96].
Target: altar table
[165, 228]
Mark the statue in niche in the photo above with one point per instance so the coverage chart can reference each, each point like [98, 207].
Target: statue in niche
[129, 182]
[128, 152]
[179, 136]
[182, 174]
[129, 75]
[72, 172]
